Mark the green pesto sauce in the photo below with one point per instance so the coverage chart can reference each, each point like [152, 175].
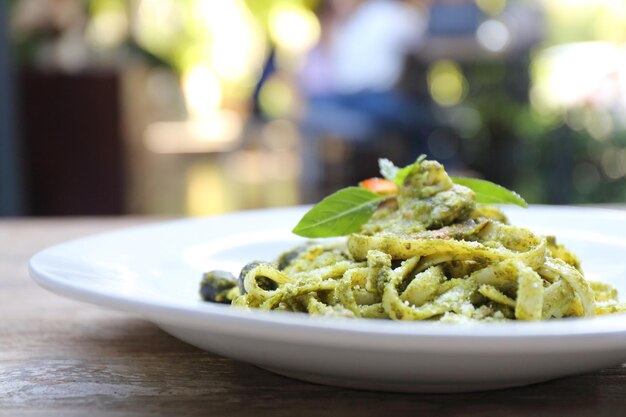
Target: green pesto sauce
[427, 200]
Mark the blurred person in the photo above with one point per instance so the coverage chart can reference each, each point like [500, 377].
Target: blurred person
[350, 79]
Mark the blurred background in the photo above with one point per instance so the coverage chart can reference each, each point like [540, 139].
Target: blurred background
[198, 107]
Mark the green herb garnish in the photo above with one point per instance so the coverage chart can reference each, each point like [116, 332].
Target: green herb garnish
[388, 170]
[339, 214]
[345, 211]
[489, 193]
[391, 172]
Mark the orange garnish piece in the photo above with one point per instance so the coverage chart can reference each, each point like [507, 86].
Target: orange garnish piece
[379, 186]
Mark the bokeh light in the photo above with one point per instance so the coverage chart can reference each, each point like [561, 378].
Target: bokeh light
[493, 35]
[233, 38]
[492, 7]
[202, 90]
[294, 29]
[278, 98]
[108, 29]
[159, 26]
[572, 74]
[446, 83]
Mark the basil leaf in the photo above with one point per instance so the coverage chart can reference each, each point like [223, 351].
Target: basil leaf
[339, 214]
[490, 193]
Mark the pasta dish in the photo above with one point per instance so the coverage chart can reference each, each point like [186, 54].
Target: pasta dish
[426, 251]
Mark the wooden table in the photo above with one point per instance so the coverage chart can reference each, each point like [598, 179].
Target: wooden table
[63, 358]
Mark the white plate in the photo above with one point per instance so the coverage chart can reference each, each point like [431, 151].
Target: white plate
[154, 271]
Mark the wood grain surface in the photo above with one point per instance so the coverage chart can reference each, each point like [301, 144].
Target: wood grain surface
[63, 358]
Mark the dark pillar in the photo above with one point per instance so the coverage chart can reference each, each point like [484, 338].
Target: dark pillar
[11, 203]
